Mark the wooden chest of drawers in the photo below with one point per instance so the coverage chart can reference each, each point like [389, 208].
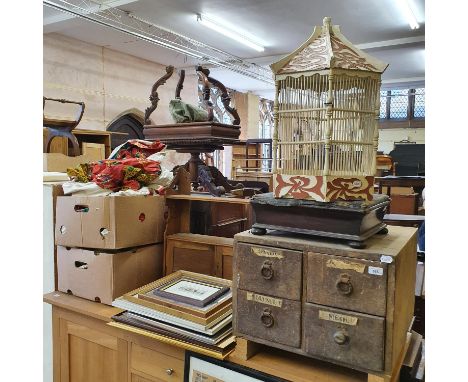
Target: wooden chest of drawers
[325, 300]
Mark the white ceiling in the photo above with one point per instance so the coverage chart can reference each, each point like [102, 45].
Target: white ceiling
[279, 25]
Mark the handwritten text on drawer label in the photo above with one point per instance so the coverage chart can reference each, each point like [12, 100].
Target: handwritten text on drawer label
[335, 317]
[375, 271]
[340, 264]
[265, 299]
[266, 253]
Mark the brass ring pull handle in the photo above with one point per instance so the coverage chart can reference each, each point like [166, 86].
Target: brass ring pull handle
[267, 318]
[340, 337]
[267, 270]
[344, 285]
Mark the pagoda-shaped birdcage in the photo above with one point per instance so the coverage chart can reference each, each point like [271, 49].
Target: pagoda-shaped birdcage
[326, 112]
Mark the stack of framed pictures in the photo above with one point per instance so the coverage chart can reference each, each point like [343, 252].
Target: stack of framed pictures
[187, 306]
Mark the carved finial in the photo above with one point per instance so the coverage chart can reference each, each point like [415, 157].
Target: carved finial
[327, 26]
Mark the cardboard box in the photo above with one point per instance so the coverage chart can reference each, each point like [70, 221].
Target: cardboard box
[57, 162]
[50, 192]
[94, 150]
[109, 222]
[104, 276]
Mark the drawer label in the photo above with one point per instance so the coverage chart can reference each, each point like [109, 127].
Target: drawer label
[266, 252]
[340, 264]
[265, 299]
[375, 271]
[335, 317]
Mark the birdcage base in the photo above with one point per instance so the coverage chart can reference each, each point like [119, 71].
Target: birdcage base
[323, 188]
[350, 221]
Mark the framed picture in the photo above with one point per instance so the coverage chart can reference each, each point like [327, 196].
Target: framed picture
[191, 291]
[200, 368]
[171, 303]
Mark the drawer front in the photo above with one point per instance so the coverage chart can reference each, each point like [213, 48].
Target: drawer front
[353, 338]
[155, 364]
[268, 318]
[347, 283]
[273, 271]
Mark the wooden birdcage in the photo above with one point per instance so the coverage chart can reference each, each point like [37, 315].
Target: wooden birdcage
[326, 112]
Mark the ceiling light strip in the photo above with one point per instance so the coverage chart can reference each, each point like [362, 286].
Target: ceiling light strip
[409, 14]
[207, 22]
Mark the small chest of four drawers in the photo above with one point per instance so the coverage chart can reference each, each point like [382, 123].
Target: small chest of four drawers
[325, 300]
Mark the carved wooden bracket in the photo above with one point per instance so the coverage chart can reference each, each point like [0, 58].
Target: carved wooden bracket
[206, 94]
[180, 84]
[225, 98]
[154, 98]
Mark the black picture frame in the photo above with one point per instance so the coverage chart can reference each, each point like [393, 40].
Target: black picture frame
[262, 377]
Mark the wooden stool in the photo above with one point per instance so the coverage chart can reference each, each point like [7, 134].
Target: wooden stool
[62, 127]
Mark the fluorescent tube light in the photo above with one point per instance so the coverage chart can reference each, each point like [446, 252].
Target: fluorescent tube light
[228, 33]
[409, 14]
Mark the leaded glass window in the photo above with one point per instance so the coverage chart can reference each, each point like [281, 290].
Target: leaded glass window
[402, 104]
[383, 104]
[399, 104]
[419, 103]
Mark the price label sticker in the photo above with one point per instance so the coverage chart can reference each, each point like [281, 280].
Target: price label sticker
[375, 271]
[386, 259]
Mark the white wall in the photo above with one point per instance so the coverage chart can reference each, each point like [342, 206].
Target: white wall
[387, 137]
[108, 82]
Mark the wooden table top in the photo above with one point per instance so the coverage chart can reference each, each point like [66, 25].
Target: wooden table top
[401, 180]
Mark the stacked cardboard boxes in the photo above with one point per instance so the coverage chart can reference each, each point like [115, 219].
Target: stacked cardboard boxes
[108, 246]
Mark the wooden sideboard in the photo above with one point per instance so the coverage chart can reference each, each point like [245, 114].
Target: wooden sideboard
[86, 349]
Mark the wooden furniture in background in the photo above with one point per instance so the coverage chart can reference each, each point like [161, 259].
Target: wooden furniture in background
[205, 254]
[404, 220]
[249, 163]
[409, 158]
[93, 149]
[62, 127]
[384, 165]
[219, 219]
[208, 255]
[86, 349]
[326, 301]
[404, 204]
[86, 139]
[416, 182]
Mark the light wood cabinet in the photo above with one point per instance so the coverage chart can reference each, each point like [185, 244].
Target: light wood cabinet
[87, 349]
[88, 355]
